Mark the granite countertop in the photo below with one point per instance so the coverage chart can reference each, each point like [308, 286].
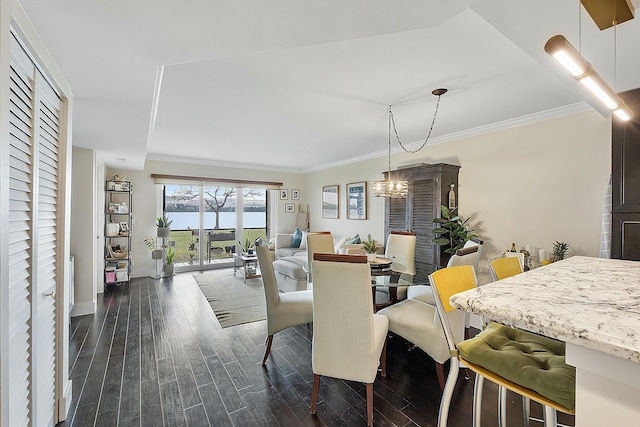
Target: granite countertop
[591, 302]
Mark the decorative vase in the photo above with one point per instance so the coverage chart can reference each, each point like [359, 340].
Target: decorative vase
[163, 232]
[371, 257]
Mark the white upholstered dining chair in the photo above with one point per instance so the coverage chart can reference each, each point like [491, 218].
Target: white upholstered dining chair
[284, 310]
[401, 249]
[318, 242]
[469, 255]
[349, 340]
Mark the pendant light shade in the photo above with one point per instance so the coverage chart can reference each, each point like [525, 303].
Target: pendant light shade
[390, 188]
[567, 55]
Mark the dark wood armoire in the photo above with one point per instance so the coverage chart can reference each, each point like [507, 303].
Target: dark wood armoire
[625, 182]
[429, 186]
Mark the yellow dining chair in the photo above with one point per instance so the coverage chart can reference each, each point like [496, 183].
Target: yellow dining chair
[525, 363]
[502, 268]
[349, 340]
[284, 310]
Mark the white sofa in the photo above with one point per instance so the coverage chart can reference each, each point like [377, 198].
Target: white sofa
[283, 245]
[291, 263]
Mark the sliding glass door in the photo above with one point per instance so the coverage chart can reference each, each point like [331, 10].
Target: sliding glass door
[211, 223]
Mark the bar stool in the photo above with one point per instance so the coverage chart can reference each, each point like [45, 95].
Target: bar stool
[528, 364]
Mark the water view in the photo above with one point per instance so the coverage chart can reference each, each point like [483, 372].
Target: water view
[190, 220]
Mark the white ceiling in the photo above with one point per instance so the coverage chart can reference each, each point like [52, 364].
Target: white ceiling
[298, 85]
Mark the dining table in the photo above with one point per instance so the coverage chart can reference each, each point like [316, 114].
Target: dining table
[593, 305]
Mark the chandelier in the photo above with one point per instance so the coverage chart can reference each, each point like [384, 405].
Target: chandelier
[396, 188]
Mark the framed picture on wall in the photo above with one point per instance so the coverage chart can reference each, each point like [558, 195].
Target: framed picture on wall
[295, 194]
[357, 200]
[331, 201]
[289, 208]
[284, 194]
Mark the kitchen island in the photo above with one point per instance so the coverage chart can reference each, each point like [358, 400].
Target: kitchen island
[593, 305]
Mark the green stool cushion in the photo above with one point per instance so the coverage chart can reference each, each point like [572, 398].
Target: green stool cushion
[529, 360]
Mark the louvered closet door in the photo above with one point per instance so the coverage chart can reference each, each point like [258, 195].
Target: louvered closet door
[34, 112]
[46, 275]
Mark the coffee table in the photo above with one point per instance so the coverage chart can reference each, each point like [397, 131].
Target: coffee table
[248, 264]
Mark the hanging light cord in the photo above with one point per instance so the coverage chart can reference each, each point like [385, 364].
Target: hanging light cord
[392, 124]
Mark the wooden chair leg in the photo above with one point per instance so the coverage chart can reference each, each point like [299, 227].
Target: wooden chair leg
[383, 360]
[268, 350]
[370, 404]
[440, 374]
[314, 394]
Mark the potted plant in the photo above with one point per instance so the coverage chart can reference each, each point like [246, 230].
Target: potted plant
[559, 251]
[153, 247]
[247, 246]
[371, 247]
[163, 223]
[452, 231]
[168, 267]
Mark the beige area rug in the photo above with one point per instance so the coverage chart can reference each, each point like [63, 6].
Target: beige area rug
[233, 302]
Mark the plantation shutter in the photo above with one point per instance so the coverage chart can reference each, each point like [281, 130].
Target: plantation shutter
[34, 118]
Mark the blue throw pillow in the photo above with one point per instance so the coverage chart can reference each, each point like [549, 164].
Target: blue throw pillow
[297, 238]
[355, 240]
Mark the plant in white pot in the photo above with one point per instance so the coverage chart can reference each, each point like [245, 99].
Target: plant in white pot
[164, 226]
[371, 247]
[168, 267]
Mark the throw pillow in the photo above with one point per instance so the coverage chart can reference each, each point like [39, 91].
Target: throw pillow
[303, 242]
[355, 240]
[297, 238]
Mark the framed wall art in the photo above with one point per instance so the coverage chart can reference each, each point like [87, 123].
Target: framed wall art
[284, 194]
[357, 200]
[331, 201]
[289, 208]
[295, 194]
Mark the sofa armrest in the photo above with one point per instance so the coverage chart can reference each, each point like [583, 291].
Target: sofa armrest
[283, 240]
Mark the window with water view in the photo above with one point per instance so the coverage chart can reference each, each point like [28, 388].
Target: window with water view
[211, 222]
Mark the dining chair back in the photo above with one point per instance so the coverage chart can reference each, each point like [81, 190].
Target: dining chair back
[469, 254]
[349, 340]
[318, 242]
[284, 310]
[401, 249]
[502, 268]
[525, 363]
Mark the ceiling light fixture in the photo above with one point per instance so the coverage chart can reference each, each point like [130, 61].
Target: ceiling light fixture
[396, 187]
[605, 15]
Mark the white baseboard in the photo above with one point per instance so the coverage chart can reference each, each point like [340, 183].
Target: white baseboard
[64, 403]
[84, 308]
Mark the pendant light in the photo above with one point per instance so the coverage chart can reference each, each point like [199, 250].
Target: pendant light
[397, 188]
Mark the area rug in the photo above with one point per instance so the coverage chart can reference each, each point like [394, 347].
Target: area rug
[233, 302]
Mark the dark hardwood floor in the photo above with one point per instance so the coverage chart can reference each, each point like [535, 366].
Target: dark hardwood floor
[154, 354]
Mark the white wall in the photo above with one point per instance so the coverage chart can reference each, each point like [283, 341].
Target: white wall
[83, 234]
[532, 184]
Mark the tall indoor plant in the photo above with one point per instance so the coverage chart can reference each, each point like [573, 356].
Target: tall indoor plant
[452, 231]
